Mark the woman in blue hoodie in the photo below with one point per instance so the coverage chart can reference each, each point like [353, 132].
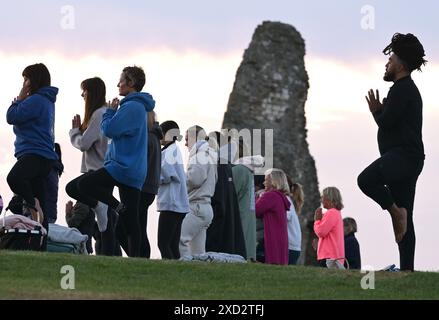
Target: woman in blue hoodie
[32, 114]
[126, 159]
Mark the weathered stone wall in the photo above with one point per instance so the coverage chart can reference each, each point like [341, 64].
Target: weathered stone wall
[270, 92]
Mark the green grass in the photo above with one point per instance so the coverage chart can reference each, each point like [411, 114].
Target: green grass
[34, 275]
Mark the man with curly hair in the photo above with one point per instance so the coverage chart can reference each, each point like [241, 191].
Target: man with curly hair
[391, 180]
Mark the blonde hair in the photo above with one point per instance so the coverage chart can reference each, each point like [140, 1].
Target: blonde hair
[349, 225]
[278, 180]
[296, 194]
[333, 195]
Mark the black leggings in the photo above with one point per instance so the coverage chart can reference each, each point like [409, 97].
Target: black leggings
[27, 179]
[146, 199]
[169, 234]
[73, 190]
[392, 179]
[99, 185]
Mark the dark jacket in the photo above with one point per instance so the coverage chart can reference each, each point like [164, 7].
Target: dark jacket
[400, 120]
[152, 181]
[352, 251]
[225, 232]
[51, 193]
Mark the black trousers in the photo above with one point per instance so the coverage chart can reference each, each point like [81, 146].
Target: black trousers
[392, 179]
[27, 179]
[109, 245]
[73, 190]
[169, 232]
[99, 185]
[146, 199]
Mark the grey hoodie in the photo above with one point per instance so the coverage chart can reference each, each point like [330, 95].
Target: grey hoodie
[201, 172]
[91, 142]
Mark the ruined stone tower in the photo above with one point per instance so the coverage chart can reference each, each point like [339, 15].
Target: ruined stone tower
[270, 92]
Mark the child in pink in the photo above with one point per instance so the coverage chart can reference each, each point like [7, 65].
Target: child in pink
[329, 228]
[272, 207]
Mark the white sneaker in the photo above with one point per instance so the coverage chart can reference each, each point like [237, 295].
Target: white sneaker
[101, 215]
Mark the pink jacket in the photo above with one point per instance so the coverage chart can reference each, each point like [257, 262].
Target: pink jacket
[331, 236]
[272, 206]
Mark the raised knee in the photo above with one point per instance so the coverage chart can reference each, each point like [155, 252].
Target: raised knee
[12, 181]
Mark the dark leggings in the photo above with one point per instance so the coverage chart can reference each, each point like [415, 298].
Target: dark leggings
[293, 256]
[169, 232]
[109, 244]
[392, 179]
[146, 199]
[28, 176]
[27, 179]
[107, 239]
[99, 185]
[73, 190]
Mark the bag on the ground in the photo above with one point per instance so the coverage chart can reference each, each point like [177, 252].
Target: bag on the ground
[21, 239]
[53, 246]
[23, 235]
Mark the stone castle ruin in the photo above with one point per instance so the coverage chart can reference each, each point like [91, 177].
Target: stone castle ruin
[270, 92]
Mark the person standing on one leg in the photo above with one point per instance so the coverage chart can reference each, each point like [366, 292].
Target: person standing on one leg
[391, 180]
[32, 114]
[87, 136]
[125, 163]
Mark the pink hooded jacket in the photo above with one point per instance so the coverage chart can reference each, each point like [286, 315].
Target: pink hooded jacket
[331, 236]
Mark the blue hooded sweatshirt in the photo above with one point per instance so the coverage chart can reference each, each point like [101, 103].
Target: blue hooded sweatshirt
[34, 121]
[127, 155]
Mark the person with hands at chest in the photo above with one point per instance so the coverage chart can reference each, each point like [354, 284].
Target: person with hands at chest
[329, 229]
[391, 180]
[125, 165]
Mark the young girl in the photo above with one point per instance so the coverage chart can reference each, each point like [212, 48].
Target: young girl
[329, 228]
[351, 245]
[33, 115]
[86, 136]
[296, 198]
[172, 199]
[272, 207]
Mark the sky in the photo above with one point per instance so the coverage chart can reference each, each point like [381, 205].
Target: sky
[191, 50]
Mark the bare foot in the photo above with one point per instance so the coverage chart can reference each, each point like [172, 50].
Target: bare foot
[399, 221]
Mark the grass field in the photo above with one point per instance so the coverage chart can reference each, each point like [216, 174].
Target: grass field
[34, 275]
